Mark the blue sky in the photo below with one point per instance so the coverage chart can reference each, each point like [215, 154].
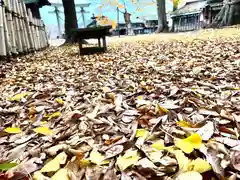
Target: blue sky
[147, 11]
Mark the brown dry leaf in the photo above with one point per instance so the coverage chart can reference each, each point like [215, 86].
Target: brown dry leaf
[206, 132]
[235, 159]
[114, 151]
[217, 155]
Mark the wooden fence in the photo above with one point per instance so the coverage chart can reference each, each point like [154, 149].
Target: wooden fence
[20, 32]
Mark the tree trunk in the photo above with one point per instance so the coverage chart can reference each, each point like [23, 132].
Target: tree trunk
[70, 18]
[162, 19]
[229, 14]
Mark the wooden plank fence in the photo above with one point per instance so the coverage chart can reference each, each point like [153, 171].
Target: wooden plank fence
[20, 32]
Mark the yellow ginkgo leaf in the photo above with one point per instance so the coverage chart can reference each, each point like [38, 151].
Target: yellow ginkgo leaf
[190, 176]
[38, 176]
[190, 143]
[61, 174]
[183, 123]
[140, 97]
[54, 115]
[161, 109]
[199, 165]
[43, 130]
[97, 158]
[13, 130]
[182, 160]
[120, 6]
[54, 165]
[84, 163]
[18, 97]
[130, 158]
[142, 133]
[60, 101]
[159, 145]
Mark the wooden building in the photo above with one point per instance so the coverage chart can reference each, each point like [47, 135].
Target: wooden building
[195, 15]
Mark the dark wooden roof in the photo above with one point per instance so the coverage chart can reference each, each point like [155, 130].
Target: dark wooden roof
[40, 3]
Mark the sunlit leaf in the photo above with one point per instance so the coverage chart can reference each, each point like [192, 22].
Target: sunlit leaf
[61, 174]
[142, 133]
[54, 115]
[182, 160]
[54, 165]
[13, 130]
[84, 163]
[190, 143]
[7, 166]
[199, 165]
[38, 176]
[183, 123]
[161, 109]
[60, 101]
[18, 97]
[158, 145]
[43, 130]
[97, 158]
[130, 158]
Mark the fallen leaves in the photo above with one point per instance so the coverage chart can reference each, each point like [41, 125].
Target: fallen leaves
[7, 166]
[190, 143]
[18, 97]
[97, 158]
[13, 130]
[190, 175]
[43, 130]
[54, 165]
[128, 159]
[147, 110]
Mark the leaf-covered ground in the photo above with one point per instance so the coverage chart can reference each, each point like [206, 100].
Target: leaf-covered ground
[150, 109]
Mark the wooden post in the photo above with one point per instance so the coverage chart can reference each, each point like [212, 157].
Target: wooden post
[99, 42]
[104, 43]
[179, 23]
[2, 36]
[80, 46]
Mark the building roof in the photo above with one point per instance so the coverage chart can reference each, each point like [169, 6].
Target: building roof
[39, 2]
[216, 5]
[192, 7]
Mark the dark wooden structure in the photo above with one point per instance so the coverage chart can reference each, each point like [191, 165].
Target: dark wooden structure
[138, 27]
[195, 15]
[92, 33]
[34, 5]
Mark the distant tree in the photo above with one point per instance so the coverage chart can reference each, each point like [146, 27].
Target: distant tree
[122, 6]
[70, 18]
[228, 15]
